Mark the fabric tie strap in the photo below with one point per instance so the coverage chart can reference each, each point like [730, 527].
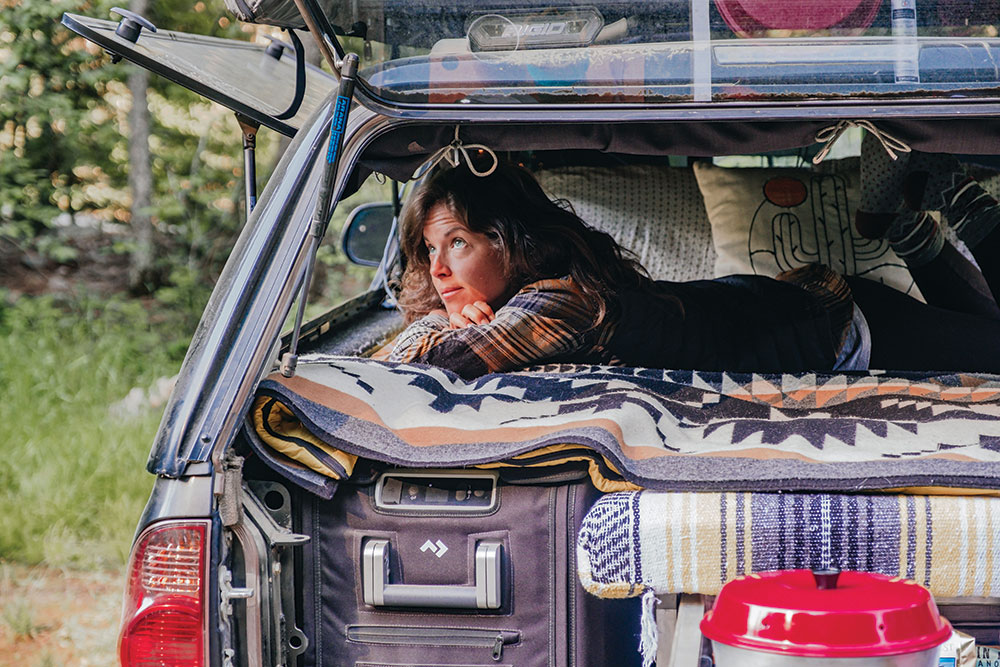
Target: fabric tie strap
[455, 151]
[829, 135]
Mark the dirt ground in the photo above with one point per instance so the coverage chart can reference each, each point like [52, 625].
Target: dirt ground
[55, 618]
[101, 271]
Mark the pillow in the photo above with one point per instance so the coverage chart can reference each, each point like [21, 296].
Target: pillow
[765, 221]
[654, 211]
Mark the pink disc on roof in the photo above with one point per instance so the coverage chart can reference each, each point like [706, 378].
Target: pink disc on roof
[747, 17]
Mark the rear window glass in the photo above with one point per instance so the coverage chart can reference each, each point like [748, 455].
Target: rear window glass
[673, 52]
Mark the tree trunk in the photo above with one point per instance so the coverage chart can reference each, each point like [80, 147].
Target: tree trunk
[140, 176]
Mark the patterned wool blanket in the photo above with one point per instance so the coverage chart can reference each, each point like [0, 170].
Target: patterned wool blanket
[632, 542]
[666, 430]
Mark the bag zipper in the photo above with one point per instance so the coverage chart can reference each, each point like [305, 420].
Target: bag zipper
[420, 636]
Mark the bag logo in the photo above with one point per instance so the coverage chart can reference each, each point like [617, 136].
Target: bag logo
[438, 549]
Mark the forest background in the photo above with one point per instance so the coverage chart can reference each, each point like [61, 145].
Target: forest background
[121, 195]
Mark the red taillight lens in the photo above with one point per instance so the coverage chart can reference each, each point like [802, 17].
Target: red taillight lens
[163, 623]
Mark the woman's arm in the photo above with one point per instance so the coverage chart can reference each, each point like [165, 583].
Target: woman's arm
[544, 320]
[427, 325]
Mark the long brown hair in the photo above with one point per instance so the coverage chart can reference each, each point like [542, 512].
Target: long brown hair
[538, 237]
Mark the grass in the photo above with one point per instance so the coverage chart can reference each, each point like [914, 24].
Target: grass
[72, 479]
[72, 476]
[19, 616]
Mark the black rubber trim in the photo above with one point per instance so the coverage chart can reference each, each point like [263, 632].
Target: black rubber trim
[300, 78]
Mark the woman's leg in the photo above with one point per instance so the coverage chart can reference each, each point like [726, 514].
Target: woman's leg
[909, 335]
[951, 281]
[987, 254]
[938, 182]
[894, 196]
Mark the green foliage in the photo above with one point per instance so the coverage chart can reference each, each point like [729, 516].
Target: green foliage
[185, 296]
[64, 142]
[72, 478]
[51, 110]
[197, 157]
[64, 136]
[342, 278]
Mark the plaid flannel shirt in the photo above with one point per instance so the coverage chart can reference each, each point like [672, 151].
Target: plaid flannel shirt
[544, 321]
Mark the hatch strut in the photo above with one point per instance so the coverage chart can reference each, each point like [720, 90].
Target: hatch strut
[249, 129]
[324, 203]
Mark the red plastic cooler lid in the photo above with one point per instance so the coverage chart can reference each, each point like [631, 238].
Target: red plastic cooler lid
[864, 615]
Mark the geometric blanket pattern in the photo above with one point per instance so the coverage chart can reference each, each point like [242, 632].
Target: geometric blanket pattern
[661, 429]
[630, 542]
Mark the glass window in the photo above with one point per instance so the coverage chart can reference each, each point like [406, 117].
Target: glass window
[671, 51]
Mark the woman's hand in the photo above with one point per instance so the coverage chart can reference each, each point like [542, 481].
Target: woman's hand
[471, 315]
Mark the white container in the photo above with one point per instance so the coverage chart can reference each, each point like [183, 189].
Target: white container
[731, 656]
[799, 618]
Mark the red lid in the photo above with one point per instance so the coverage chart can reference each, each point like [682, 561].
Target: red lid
[864, 615]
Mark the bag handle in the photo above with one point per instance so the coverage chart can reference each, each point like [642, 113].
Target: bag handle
[378, 592]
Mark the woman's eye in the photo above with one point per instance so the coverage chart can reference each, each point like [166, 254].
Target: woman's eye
[430, 250]
[458, 243]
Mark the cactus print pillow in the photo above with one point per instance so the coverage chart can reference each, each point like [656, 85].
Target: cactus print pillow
[767, 220]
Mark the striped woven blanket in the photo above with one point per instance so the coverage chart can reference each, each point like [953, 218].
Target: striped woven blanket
[631, 542]
[655, 429]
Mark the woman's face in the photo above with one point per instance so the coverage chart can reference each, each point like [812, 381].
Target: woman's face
[465, 266]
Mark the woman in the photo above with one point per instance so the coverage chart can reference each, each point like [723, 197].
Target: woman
[499, 277]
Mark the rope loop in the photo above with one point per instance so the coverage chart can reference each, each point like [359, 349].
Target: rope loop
[829, 135]
[456, 151]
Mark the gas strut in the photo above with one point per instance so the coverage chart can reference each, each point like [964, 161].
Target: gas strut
[324, 208]
[249, 129]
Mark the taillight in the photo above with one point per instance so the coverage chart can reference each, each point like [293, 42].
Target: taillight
[163, 621]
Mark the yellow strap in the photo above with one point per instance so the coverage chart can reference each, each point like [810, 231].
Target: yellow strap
[939, 491]
[282, 430]
[601, 482]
